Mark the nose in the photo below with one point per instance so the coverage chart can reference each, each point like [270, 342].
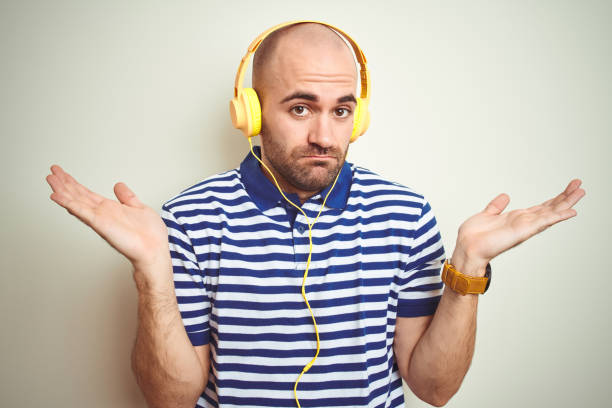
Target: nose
[321, 131]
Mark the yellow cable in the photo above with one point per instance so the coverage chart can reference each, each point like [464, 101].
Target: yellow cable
[307, 367]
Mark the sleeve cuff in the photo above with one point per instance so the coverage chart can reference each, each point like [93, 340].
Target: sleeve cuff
[417, 307]
[200, 338]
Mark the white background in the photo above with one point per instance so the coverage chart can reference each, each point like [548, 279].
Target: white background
[469, 99]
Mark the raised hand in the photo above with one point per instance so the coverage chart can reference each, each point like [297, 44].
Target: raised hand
[129, 226]
[491, 232]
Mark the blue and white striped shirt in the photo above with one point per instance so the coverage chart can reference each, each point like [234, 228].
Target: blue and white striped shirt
[239, 253]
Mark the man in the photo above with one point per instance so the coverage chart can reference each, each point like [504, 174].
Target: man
[237, 249]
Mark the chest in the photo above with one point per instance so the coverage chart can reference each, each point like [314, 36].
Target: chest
[260, 266]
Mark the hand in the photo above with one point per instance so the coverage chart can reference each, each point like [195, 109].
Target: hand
[489, 233]
[129, 226]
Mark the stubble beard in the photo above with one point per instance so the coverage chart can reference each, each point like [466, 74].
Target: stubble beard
[313, 176]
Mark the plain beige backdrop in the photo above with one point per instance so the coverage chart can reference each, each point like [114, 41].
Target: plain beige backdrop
[470, 99]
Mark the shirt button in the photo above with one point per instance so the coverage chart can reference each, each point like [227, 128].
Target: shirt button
[301, 229]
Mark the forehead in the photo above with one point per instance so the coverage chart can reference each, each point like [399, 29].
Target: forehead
[322, 63]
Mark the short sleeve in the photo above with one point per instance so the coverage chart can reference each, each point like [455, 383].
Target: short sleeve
[421, 284]
[189, 282]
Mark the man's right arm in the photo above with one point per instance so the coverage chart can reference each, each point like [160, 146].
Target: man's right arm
[169, 370]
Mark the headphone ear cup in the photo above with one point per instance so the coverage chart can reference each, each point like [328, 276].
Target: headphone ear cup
[245, 111]
[238, 114]
[361, 119]
[253, 111]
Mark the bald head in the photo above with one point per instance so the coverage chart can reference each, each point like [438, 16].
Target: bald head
[296, 44]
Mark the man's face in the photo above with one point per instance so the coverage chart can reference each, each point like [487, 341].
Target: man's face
[307, 108]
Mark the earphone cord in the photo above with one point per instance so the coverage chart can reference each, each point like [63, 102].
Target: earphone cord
[307, 367]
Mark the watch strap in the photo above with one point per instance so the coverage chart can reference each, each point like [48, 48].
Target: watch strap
[465, 284]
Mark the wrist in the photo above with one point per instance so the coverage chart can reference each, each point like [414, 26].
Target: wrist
[467, 263]
[154, 277]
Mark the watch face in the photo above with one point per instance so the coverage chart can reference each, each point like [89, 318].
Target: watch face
[488, 275]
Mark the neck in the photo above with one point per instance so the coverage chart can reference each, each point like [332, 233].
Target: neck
[285, 185]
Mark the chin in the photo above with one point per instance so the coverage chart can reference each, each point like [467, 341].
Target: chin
[315, 184]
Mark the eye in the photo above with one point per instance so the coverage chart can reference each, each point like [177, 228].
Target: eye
[342, 112]
[299, 110]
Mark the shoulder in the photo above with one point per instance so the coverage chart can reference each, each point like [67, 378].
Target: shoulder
[368, 186]
[217, 190]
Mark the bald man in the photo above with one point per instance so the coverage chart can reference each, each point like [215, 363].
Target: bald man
[221, 318]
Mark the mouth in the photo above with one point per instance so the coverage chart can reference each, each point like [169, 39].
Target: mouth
[320, 157]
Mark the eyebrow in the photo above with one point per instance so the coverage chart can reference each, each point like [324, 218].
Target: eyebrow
[315, 98]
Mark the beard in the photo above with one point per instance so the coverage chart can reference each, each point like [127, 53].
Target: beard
[305, 175]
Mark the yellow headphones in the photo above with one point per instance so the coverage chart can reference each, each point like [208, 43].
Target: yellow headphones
[245, 109]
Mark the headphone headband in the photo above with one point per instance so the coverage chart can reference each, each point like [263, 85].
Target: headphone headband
[361, 59]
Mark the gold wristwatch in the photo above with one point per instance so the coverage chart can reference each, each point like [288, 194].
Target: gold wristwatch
[465, 284]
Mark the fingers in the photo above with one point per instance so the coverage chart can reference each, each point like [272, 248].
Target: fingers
[571, 188]
[75, 189]
[569, 197]
[71, 195]
[62, 176]
[565, 214]
[60, 195]
[560, 208]
[81, 210]
[571, 200]
[127, 196]
[558, 216]
[67, 190]
[57, 185]
[498, 204]
[573, 185]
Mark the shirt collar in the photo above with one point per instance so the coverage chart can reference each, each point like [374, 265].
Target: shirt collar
[265, 194]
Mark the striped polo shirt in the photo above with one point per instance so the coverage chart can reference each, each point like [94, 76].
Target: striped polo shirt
[239, 252]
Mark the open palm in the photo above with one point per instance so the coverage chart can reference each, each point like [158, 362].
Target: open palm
[491, 232]
[132, 228]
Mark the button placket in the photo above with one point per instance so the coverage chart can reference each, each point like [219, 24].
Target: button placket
[300, 248]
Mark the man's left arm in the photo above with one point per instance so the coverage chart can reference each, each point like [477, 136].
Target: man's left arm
[434, 354]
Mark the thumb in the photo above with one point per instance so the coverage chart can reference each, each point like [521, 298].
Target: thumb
[498, 204]
[127, 196]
